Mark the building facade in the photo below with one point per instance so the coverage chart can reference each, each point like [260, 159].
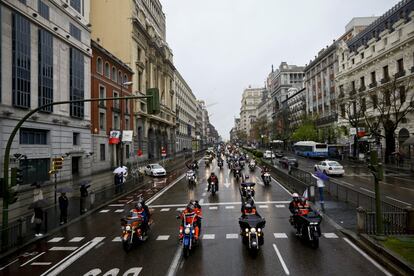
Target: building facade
[45, 58]
[137, 36]
[109, 78]
[296, 103]
[376, 75]
[186, 115]
[251, 99]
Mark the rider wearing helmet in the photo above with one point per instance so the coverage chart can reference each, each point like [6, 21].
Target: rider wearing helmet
[265, 170]
[212, 178]
[248, 209]
[298, 207]
[140, 211]
[190, 216]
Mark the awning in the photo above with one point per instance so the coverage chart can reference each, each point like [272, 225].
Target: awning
[409, 141]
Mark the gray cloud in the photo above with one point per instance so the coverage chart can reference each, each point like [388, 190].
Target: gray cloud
[223, 46]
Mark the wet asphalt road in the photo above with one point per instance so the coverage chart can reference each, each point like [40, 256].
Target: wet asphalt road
[91, 246]
[397, 187]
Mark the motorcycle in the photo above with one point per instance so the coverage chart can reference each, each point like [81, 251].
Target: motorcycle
[213, 187]
[309, 227]
[252, 167]
[189, 240]
[266, 178]
[251, 228]
[242, 163]
[131, 232]
[247, 190]
[220, 164]
[237, 174]
[191, 177]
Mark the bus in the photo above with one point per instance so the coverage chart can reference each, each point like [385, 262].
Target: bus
[311, 149]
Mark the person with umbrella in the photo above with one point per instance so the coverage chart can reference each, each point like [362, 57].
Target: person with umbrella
[320, 183]
[83, 195]
[37, 192]
[37, 218]
[63, 204]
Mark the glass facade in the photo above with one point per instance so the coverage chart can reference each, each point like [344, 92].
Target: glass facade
[45, 69]
[35, 170]
[77, 83]
[43, 9]
[75, 32]
[20, 61]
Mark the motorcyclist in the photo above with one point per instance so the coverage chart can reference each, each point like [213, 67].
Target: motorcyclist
[191, 214]
[249, 209]
[139, 211]
[298, 207]
[212, 178]
[265, 170]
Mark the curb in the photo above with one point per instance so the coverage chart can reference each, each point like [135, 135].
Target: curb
[388, 260]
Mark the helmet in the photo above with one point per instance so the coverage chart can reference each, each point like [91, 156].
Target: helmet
[295, 195]
[246, 176]
[190, 206]
[212, 174]
[248, 207]
[138, 205]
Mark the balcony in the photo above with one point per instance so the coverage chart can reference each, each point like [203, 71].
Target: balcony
[385, 79]
[399, 74]
[362, 88]
[373, 84]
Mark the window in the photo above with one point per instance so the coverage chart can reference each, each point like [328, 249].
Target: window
[102, 152]
[139, 81]
[99, 65]
[374, 99]
[102, 95]
[373, 77]
[353, 61]
[362, 82]
[120, 81]
[29, 136]
[385, 41]
[363, 105]
[45, 74]
[76, 83]
[35, 170]
[139, 54]
[126, 124]
[76, 4]
[343, 110]
[362, 55]
[113, 74]
[74, 31]
[353, 85]
[385, 72]
[125, 78]
[116, 102]
[76, 138]
[20, 61]
[107, 70]
[400, 65]
[387, 98]
[43, 9]
[116, 122]
[22, 1]
[373, 48]
[126, 106]
[127, 153]
[101, 121]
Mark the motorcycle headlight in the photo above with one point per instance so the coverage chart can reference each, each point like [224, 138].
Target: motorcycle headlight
[259, 230]
[247, 229]
[248, 188]
[187, 231]
[128, 228]
[253, 230]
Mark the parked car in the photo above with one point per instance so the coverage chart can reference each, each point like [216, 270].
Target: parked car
[279, 154]
[285, 161]
[268, 154]
[155, 170]
[330, 167]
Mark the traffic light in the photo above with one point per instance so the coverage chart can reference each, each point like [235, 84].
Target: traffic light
[16, 176]
[153, 102]
[57, 163]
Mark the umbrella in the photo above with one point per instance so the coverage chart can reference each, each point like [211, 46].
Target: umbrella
[321, 175]
[64, 190]
[38, 204]
[85, 183]
[120, 170]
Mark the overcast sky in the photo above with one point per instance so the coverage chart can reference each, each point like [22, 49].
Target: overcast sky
[222, 46]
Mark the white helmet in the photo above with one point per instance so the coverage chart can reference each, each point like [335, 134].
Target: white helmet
[294, 195]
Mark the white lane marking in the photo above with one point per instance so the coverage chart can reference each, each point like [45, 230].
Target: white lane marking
[165, 209]
[330, 235]
[63, 264]
[129, 201]
[163, 237]
[227, 184]
[180, 209]
[282, 262]
[32, 259]
[57, 239]
[213, 208]
[160, 193]
[229, 207]
[366, 190]
[119, 210]
[204, 194]
[400, 201]
[209, 237]
[201, 201]
[41, 263]
[8, 264]
[280, 206]
[116, 205]
[405, 188]
[63, 248]
[176, 261]
[117, 239]
[377, 265]
[219, 204]
[263, 206]
[104, 211]
[286, 190]
[280, 235]
[232, 236]
[77, 239]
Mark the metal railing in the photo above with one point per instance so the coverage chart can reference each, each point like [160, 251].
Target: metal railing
[395, 223]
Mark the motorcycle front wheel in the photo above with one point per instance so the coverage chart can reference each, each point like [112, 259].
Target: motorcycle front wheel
[315, 242]
[186, 252]
[127, 245]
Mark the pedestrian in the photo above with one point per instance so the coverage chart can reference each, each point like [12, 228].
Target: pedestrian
[83, 195]
[37, 192]
[37, 219]
[63, 206]
[320, 183]
[118, 179]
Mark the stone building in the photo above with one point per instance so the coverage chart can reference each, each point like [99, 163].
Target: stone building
[134, 31]
[251, 99]
[297, 106]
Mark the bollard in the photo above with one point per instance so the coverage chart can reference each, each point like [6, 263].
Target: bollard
[360, 220]
[410, 219]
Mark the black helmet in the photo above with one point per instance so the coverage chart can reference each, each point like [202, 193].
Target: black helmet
[138, 205]
[212, 173]
[190, 206]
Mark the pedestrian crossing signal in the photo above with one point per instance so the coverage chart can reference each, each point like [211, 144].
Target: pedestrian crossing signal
[16, 176]
[57, 163]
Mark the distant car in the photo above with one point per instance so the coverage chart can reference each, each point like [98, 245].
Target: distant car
[286, 161]
[279, 154]
[330, 167]
[268, 154]
[155, 170]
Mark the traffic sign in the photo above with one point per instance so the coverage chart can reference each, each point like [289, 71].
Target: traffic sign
[163, 152]
[57, 163]
[139, 152]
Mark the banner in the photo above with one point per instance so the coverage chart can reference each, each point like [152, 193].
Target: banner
[127, 135]
[114, 137]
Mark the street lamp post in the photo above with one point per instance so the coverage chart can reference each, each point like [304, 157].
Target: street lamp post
[123, 121]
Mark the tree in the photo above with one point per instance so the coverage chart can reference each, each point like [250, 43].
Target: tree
[259, 128]
[306, 132]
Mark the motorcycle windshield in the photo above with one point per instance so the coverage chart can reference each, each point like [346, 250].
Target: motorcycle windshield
[251, 221]
[248, 184]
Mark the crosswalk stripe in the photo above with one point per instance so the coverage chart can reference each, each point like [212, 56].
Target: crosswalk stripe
[330, 235]
[209, 237]
[63, 248]
[116, 205]
[232, 236]
[165, 209]
[263, 206]
[57, 239]
[119, 210]
[41, 263]
[117, 239]
[163, 237]
[280, 235]
[213, 208]
[229, 207]
[77, 239]
[280, 206]
[180, 209]
[104, 211]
